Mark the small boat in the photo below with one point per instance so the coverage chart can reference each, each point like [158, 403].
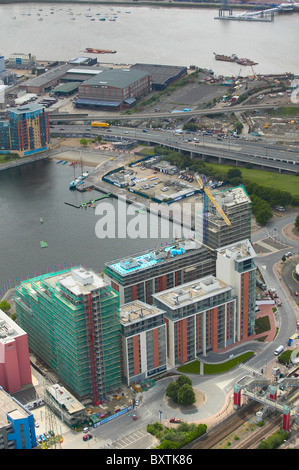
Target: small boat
[65, 162]
[41, 220]
[43, 244]
[60, 161]
[73, 163]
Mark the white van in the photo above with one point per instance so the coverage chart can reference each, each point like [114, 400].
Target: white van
[279, 350]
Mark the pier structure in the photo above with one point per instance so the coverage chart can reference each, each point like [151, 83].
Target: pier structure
[225, 6]
[254, 14]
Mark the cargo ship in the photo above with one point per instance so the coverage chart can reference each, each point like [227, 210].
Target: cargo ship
[226, 58]
[234, 58]
[246, 62]
[99, 51]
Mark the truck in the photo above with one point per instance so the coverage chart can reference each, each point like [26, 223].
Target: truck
[99, 124]
[279, 350]
[136, 387]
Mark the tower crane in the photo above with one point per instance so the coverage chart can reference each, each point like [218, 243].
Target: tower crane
[214, 202]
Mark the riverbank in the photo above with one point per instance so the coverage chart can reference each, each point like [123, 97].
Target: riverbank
[136, 3]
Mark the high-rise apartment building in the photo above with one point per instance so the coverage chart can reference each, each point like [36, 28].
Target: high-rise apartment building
[154, 270]
[26, 130]
[72, 322]
[15, 370]
[235, 266]
[236, 205]
[200, 316]
[143, 341]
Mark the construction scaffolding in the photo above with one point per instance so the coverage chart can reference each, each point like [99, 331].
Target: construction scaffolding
[73, 327]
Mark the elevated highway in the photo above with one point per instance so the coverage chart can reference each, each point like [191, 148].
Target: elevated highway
[55, 117]
[233, 151]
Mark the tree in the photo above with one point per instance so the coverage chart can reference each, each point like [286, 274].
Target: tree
[4, 306]
[182, 380]
[297, 223]
[186, 395]
[234, 173]
[83, 141]
[172, 391]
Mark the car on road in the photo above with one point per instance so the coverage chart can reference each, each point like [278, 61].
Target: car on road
[296, 293]
[137, 402]
[134, 417]
[87, 437]
[176, 420]
[144, 130]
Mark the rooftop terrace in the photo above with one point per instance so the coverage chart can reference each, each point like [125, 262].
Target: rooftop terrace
[137, 310]
[191, 292]
[238, 251]
[126, 266]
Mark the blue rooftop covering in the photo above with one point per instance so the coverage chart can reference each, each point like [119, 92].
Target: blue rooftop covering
[98, 102]
[142, 261]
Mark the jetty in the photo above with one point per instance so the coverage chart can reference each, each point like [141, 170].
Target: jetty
[88, 203]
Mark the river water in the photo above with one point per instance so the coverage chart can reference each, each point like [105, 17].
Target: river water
[41, 189]
[173, 36]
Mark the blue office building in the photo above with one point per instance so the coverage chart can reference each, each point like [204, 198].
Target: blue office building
[17, 429]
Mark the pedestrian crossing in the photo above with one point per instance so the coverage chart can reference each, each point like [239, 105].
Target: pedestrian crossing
[251, 370]
[133, 438]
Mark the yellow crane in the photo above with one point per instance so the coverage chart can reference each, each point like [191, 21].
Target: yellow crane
[213, 200]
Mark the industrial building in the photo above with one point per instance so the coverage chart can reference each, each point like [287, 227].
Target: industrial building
[114, 89]
[88, 61]
[43, 83]
[26, 130]
[143, 341]
[144, 274]
[72, 321]
[200, 316]
[17, 430]
[66, 89]
[15, 371]
[21, 61]
[162, 75]
[81, 74]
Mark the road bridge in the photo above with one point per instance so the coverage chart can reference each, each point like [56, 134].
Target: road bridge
[280, 160]
[61, 117]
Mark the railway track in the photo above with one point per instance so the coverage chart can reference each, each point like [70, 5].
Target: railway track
[261, 434]
[218, 433]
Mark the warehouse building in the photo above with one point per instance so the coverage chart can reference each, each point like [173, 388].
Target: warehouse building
[66, 89]
[114, 89]
[45, 81]
[81, 74]
[162, 75]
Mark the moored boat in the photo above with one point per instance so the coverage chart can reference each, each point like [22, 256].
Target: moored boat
[226, 58]
[99, 51]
